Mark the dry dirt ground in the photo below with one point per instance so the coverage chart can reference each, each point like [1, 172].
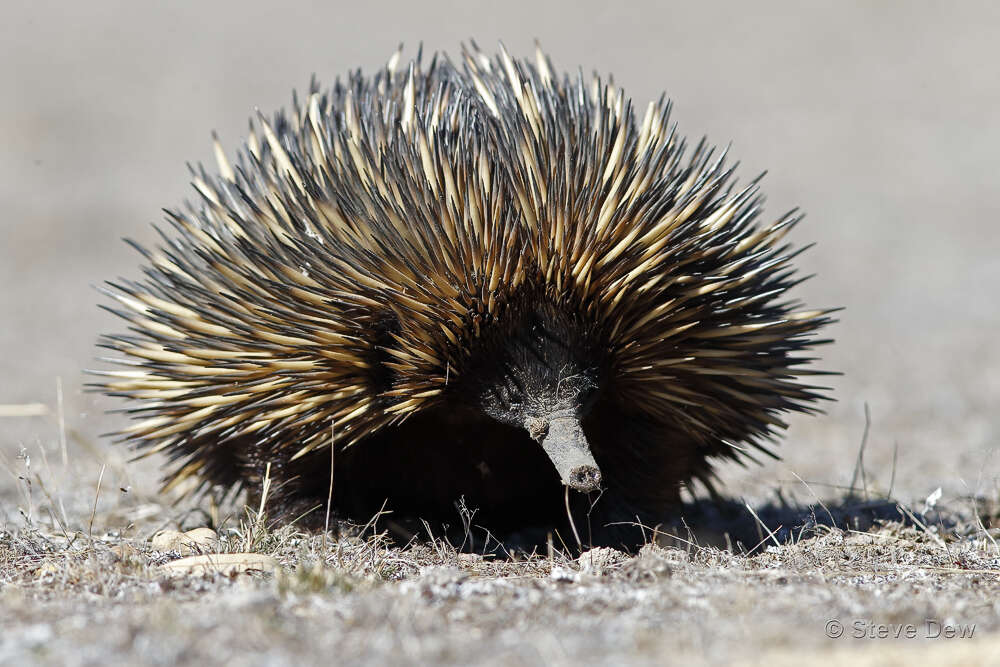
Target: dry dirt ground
[879, 119]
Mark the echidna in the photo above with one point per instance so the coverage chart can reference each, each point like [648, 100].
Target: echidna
[485, 282]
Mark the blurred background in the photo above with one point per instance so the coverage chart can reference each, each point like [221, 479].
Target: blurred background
[881, 120]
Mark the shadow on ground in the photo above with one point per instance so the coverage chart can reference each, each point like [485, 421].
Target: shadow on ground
[724, 523]
[732, 524]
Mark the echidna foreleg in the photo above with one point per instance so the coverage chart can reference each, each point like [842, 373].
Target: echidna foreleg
[563, 440]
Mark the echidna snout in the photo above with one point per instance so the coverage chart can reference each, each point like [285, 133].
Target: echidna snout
[540, 373]
[563, 440]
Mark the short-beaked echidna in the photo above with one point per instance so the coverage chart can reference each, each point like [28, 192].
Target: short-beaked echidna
[485, 282]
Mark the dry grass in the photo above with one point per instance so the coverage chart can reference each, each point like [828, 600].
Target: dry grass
[82, 579]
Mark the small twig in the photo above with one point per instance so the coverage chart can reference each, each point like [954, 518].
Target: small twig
[61, 413]
[769, 533]
[55, 519]
[642, 529]
[593, 504]
[825, 485]
[833, 522]
[920, 524]
[691, 536]
[256, 527]
[486, 543]
[329, 493]
[691, 544]
[955, 570]
[572, 524]
[860, 465]
[48, 467]
[430, 533]
[982, 526]
[466, 516]
[892, 477]
[565, 546]
[23, 410]
[264, 491]
[757, 546]
[372, 524]
[90, 527]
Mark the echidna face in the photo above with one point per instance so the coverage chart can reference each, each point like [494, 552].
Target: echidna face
[541, 373]
[481, 281]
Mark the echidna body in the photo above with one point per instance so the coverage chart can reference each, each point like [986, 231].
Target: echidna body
[484, 283]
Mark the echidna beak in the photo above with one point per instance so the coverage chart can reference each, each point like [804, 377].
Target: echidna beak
[563, 440]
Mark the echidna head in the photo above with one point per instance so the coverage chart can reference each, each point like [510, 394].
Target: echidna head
[542, 372]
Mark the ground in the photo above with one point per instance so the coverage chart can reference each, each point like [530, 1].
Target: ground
[72, 596]
[879, 119]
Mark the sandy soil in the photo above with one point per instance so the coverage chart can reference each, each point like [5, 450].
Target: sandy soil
[878, 119]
